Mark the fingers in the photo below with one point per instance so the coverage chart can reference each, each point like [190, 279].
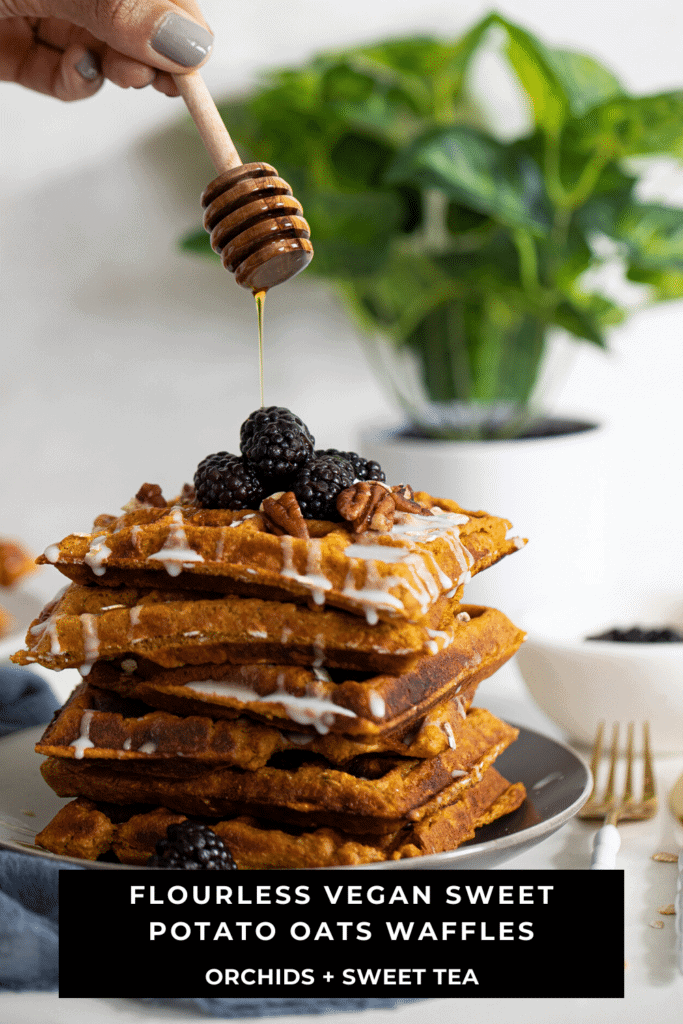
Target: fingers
[73, 73]
[171, 37]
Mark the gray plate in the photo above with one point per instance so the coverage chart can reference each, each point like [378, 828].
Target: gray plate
[557, 782]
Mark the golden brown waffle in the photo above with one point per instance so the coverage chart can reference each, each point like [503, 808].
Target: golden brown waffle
[100, 725]
[372, 794]
[6, 621]
[87, 830]
[395, 575]
[15, 562]
[322, 700]
[173, 628]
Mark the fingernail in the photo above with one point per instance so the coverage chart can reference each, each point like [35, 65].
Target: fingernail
[182, 41]
[89, 66]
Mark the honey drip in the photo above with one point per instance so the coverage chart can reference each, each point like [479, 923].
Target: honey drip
[260, 300]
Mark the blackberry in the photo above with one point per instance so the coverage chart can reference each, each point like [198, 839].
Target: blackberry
[226, 481]
[275, 442]
[194, 847]
[640, 635]
[363, 468]
[318, 483]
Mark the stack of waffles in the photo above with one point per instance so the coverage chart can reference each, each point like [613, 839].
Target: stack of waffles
[308, 697]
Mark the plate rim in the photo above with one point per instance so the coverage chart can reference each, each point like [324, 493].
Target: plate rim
[528, 836]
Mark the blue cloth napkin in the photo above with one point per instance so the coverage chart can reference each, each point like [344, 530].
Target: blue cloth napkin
[29, 936]
[25, 700]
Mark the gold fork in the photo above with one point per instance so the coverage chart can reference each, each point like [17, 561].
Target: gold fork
[612, 808]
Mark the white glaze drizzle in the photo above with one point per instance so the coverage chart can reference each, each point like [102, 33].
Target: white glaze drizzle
[307, 710]
[378, 708]
[429, 580]
[97, 554]
[176, 553]
[448, 729]
[439, 634]
[51, 552]
[220, 543]
[55, 646]
[91, 642]
[49, 626]
[312, 579]
[83, 742]
[373, 592]
[238, 522]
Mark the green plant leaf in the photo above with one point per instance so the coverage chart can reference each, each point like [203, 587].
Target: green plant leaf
[533, 64]
[631, 126]
[588, 317]
[586, 82]
[197, 242]
[664, 285]
[360, 161]
[478, 171]
[394, 300]
[650, 234]
[559, 83]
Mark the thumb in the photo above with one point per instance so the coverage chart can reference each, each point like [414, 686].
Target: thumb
[169, 36]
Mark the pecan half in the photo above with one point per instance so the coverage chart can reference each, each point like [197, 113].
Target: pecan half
[149, 494]
[403, 496]
[281, 515]
[367, 505]
[187, 495]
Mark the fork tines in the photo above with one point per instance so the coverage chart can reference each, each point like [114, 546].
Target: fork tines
[625, 806]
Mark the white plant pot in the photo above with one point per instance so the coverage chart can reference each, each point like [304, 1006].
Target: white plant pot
[550, 488]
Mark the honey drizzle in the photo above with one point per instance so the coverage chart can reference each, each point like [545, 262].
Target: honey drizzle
[260, 300]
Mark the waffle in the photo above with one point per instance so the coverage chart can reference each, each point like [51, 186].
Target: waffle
[323, 700]
[309, 696]
[399, 574]
[174, 628]
[99, 724]
[372, 794]
[88, 830]
[15, 562]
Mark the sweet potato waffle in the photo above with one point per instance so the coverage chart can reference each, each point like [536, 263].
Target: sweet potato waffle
[101, 725]
[357, 703]
[398, 574]
[15, 562]
[88, 830]
[303, 688]
[373, 793]
[174, 628]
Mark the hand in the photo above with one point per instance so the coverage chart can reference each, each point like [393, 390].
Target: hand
[66, 48]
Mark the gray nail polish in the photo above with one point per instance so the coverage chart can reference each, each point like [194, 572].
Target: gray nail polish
[89, 66]
[182, 41]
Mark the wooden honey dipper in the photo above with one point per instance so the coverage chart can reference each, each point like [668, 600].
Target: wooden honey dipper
[256, 225]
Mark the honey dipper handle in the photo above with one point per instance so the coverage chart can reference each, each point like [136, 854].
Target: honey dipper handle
[210, 126]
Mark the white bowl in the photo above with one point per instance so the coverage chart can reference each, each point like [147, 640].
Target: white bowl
[578, 682]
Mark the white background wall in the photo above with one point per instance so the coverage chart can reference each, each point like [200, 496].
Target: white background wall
[123, 361]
